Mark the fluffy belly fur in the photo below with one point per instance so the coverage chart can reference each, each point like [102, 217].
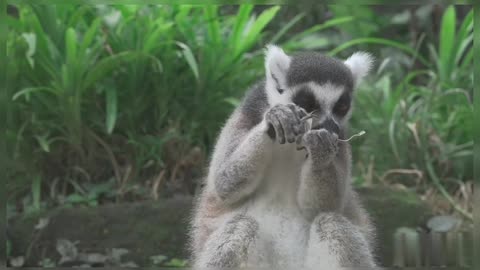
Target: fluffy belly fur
[281, 224]
[279, 230]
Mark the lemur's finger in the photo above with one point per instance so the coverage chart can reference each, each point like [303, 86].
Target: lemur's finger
[301, 112]
[288, 127]
[280, 134]
[327, 137]
[291, 132]
[297, 124]
[299, 142]
[305, 126]
[271, 131]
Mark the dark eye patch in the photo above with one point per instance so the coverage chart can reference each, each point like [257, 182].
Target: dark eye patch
[305, 99]
[343, 105]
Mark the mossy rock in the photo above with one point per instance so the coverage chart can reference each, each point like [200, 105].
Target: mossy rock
[160, 227]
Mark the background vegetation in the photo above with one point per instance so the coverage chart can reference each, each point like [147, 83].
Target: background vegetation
[123, 103]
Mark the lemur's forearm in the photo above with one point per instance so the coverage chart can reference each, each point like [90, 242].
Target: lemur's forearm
[239, 175]
[322, 188]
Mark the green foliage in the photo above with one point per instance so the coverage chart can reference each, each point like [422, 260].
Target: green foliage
[9, 248]
[365, 22]
[455, 50]
[162, 260]
[176, 263]
[426, 119]
[112, 86]
[106, 92]
[90, 194]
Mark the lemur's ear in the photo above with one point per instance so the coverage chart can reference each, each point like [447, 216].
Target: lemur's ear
[360, 64]
[276, 67]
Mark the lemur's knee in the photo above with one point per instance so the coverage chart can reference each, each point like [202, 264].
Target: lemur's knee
[242, 225]
[343, 239]
[331, 225]
[229, 245]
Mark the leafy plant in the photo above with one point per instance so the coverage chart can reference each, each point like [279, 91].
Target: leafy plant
[124, 92]
[426, 118]
[95, 87]
[454, 55]
[162, 260]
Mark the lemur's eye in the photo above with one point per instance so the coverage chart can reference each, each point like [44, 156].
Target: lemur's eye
[280, 90]
[342, 106]
[305, 99]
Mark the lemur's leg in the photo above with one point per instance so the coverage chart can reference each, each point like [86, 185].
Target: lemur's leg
[230, 244]
[335, 242]
[241, 170]
[324, 175]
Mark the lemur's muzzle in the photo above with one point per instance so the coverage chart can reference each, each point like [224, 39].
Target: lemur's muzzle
[328, 124]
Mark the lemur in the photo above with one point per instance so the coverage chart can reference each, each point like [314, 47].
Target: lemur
[278, 191]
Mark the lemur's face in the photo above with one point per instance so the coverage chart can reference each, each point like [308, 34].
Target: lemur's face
[321, 85]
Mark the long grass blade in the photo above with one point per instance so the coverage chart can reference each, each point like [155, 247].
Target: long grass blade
[107, 65]
[287, 27]
[319, 27]
[464, 38]
[89, 37]
[71, 46]
[446, 42]
[257, 28]
[29, 90]
[213, 25]
[380, 41]
[111, 108]
[241, 19]
[192, 63]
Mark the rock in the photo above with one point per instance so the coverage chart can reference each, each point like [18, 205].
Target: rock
[148, 229]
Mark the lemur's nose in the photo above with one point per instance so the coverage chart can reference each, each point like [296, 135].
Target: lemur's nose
[329, 124]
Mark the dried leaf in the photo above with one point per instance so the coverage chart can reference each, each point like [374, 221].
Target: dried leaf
[67, 250]
[116, 253]
[413, 129]
[42, 223]
[158, 259]
[93, 258]
[17, 261]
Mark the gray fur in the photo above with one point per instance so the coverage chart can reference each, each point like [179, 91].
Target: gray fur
[254, 105]
[229, 245]
[265, 203]
[311, 66]
[343, 241]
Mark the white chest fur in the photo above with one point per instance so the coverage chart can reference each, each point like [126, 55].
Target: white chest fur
[282, 175]
[275, 207]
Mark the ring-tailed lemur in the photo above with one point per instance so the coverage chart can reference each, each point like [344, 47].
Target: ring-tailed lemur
[267, 203]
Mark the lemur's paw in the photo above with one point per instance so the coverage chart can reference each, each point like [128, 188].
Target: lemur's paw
[284, 122]
[321, 144]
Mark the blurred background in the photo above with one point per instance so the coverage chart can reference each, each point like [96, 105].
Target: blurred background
[113, 111]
